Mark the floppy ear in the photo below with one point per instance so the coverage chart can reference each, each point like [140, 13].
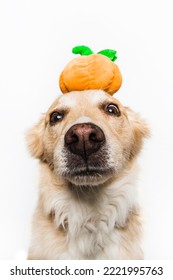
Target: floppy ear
[140, 130]
[34, 139]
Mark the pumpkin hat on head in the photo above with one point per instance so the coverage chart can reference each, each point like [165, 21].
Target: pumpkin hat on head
[91, 71]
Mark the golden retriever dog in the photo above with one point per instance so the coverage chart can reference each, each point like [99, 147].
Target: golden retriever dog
[87, 145]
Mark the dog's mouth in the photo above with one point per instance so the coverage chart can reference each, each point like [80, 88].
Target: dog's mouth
[92, 171]
[89, 171]
[88, 176]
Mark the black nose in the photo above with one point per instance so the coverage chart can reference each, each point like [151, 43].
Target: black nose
[84, 139]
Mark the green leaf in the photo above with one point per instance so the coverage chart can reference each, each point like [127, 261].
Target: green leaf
[111, 54]
[82, 50]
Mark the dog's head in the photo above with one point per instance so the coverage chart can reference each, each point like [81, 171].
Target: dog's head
[87, 137]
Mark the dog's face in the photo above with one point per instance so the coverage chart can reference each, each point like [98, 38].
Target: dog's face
[87, 137]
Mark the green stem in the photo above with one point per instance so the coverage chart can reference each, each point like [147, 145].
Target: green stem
[82, 50]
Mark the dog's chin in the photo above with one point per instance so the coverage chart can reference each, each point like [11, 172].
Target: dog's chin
[88, 176]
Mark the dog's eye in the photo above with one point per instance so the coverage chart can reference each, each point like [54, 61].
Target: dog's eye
[55, 117]
[113, 109]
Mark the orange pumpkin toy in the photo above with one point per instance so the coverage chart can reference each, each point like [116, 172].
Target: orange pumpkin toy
[91, 71]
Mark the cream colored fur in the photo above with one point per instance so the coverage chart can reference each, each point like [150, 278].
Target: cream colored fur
[99, 219]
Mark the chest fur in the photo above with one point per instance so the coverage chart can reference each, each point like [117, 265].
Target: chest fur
[90, 224]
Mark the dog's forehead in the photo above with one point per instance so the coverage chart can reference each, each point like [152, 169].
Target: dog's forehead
[77, 98]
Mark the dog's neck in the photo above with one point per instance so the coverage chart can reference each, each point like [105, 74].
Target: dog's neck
[82, 212]
[58, 195]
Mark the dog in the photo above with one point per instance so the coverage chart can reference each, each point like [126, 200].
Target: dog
[87, 145]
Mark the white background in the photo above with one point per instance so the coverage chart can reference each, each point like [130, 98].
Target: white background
[36, 38]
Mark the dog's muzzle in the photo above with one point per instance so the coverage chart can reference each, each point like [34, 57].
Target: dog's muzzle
[84, 139]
